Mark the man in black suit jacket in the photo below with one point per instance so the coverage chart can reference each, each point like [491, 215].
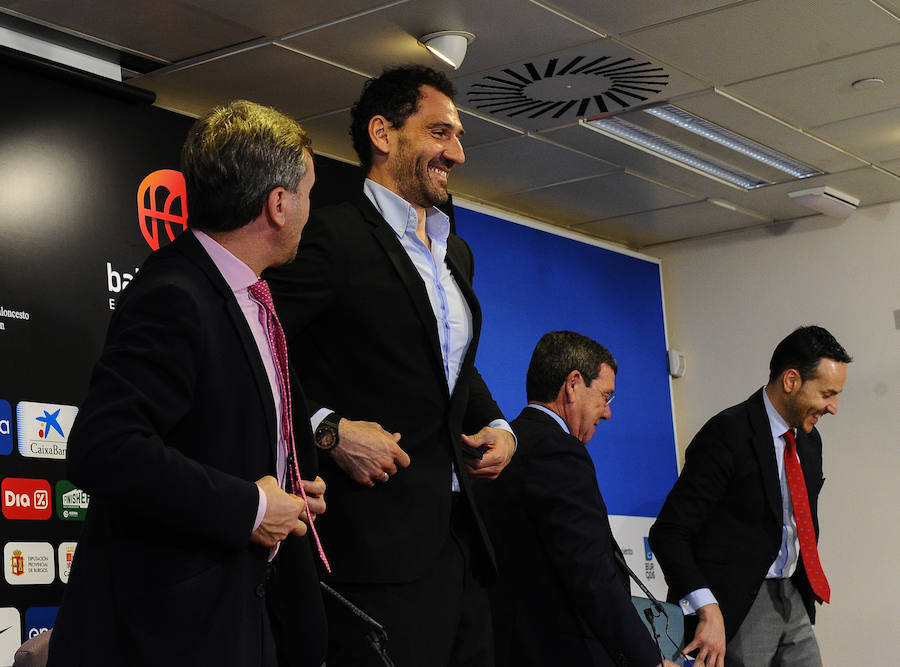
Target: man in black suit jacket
[177, 439]
[561, 597]
[727, 535]
[383, 327]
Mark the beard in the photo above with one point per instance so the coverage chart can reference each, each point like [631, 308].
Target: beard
[413, 181]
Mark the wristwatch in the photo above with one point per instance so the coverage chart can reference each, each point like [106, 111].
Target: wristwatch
[326, 435]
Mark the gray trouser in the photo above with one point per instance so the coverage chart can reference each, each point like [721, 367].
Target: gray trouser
[776, 631]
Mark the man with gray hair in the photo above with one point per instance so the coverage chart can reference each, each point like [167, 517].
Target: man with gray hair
[561, 599]
[193, 549]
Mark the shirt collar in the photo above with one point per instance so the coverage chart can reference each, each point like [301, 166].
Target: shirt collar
[401, 216]
[559, 420]
[776, 421]
[238, 275]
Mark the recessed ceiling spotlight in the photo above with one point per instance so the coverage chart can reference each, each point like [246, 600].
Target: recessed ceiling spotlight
[867, 83]
[449, 46]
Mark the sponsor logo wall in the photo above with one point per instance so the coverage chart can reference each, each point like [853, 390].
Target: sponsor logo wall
[62, 266]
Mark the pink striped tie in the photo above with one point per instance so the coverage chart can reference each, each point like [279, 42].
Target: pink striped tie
[260, 291]
[803, 518]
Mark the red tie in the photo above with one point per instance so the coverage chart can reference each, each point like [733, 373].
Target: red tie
[260, 291]
[803, 518]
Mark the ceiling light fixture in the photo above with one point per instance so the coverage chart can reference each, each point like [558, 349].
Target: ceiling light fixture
[448, 46]
[826, 200]
[741, 162]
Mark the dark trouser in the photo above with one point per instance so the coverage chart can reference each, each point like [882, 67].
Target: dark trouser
[776, 631]
[443, 618]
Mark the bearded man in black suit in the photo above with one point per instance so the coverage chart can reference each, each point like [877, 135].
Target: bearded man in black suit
[383, 326]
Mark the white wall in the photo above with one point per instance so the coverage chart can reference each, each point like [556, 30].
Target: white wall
[729, 301]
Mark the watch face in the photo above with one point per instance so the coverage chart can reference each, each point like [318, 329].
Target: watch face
[326, 436]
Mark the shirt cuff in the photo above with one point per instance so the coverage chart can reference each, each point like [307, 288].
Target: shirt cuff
[504, 425]
[261, 509]
[317, 418]
[691, 602]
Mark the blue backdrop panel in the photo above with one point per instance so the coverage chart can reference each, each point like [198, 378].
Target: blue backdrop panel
[529, 282]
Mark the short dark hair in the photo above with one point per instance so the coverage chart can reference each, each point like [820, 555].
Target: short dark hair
[803, 349]
[395, 95]
[557, 354]
[234, 156]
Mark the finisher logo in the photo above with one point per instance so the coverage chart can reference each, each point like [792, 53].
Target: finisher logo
[162, 201]
[26, 498]
[44, 429]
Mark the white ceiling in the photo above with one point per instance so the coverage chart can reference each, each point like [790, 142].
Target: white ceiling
[777, 71]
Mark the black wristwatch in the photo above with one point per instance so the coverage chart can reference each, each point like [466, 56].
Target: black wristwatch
[326, 435]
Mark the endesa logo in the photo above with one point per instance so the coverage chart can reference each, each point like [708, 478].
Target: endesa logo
[39, 619]
[162, 202]
[26, 498]
[43, 429]
[6, 438]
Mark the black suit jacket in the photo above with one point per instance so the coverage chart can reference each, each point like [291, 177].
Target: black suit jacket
[720, 526]
[561, 598]
[178, 423]
[364, 341]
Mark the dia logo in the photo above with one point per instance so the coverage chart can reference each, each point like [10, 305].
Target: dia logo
[26, 498]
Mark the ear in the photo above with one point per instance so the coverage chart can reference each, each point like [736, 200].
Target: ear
[379, 133]
[572, 381]
[791, 380]
[274, 208]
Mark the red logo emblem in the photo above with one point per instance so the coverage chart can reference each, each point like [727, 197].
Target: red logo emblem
[26, 498]
[162, 202]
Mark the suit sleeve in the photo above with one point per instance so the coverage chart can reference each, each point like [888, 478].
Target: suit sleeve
[704, 481]
[573, 524]
[143, 385]
[304, 288]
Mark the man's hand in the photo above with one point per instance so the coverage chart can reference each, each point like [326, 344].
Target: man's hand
[280, 519]
[315, 496]
[709, 637]
[500, 448]
[367, 452]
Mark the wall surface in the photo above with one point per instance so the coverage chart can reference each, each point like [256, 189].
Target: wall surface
[729, 300]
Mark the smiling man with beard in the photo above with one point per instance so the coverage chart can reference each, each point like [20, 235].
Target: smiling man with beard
[737, 535]
[383, 326]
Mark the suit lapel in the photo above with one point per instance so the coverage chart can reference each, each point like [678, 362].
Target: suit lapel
[765, 452]
[190, 247]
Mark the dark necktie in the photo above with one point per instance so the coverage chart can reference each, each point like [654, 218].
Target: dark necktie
[803, 518]
[293, 484]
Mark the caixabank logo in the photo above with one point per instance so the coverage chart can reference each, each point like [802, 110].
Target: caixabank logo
[6, 438]
[27, 499]
[43, 429]
[162, 204]
[28, 563]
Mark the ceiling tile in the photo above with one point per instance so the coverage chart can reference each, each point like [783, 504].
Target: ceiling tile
[330, 135]
[875, 137]
[524, 163]
[270, 75]
[607, 196]
[168, 31]
[820, 94]
[504, 32]
[752, 39]
[669, 224]
[480, 131]
[280, 17]
[620, 17]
